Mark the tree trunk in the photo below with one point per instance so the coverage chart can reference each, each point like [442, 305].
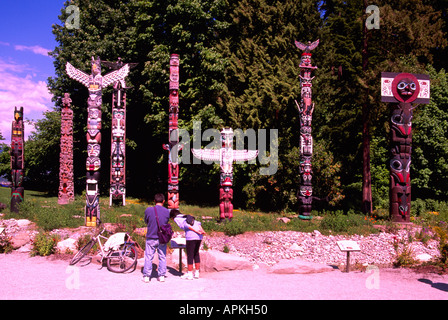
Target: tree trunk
[366, 177]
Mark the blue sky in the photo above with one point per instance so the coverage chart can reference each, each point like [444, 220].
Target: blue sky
[25, 38]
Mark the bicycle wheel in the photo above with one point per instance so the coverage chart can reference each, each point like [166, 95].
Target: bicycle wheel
[123, 259]
[81, 253]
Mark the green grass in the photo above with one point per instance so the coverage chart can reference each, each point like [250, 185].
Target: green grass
[48, 215]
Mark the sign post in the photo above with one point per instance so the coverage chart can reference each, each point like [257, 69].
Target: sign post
[348, 246]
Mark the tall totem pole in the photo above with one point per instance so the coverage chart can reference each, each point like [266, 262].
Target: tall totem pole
[17, 159]
[117, 189]
[66, 189]
[226, 156]
[306, 108]
[95, 83]
[401, 89]
[173, 134]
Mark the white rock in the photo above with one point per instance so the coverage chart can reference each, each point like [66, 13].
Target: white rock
[67, 245]
[25, 249]
[23, 222]
[212, 260]
[424, 257]
[298, 266]
[295, 247]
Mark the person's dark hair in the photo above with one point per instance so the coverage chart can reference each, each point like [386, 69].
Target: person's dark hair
[159, 198]
[173, 213]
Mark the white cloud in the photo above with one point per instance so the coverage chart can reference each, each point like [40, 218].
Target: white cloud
[34, 49]
[17, 88]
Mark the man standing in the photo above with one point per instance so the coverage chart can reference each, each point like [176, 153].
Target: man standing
[152, 239]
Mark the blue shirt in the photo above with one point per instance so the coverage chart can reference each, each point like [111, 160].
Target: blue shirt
[150, 219]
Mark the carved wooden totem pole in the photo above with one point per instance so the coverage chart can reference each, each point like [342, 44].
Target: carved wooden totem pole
[306, 108]
[173, 134]
[95, 83]
[66, 189]
[401, 89]
[226, 156]
[117, 189]
[17, 159]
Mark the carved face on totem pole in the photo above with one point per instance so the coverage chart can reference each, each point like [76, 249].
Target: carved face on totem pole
[306, 170]
[402, 120]
[405, 87]
[18, 114]
[93, 163]
[305, 199]
[96, 66]
[400, 167]
[93, 150]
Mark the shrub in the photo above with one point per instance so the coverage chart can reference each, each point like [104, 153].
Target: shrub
[82, 241]
[350, 223]
[442, 231]
[234, 227]
[5, 243]
[404, 254]
[44, 244]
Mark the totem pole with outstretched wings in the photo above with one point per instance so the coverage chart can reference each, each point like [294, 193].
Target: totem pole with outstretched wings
[95, 84]
[226, 156]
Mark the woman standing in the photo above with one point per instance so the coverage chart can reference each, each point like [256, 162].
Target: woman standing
[193, 236]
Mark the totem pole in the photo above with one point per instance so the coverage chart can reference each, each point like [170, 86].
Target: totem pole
[306, 108]
[118, 138]
[17, 159]
[95, 83]
[401, 89]
[66, 188]
[226, 156]
[173, 135]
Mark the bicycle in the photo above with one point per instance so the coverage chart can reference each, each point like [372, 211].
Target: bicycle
[118, 250]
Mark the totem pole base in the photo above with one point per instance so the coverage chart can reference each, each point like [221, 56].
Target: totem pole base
[17, 195]
[63, 199]
[91, 222]
[401, 219]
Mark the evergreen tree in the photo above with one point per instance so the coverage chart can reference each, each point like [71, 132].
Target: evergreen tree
[239, 68]
[262, 82]
[430, 141]
[146, 32]
[408, 31]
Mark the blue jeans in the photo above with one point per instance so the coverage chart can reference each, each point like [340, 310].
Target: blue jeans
[151, 246]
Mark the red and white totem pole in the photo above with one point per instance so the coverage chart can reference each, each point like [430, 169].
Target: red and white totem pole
[173, 134]
[95, 83]
[226, 156]
[117, 189]
[17, 159]
[402, 89]
[66, 189]
[306, 108]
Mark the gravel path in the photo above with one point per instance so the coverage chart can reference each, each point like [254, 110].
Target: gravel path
[23, 277]
[45, 278]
